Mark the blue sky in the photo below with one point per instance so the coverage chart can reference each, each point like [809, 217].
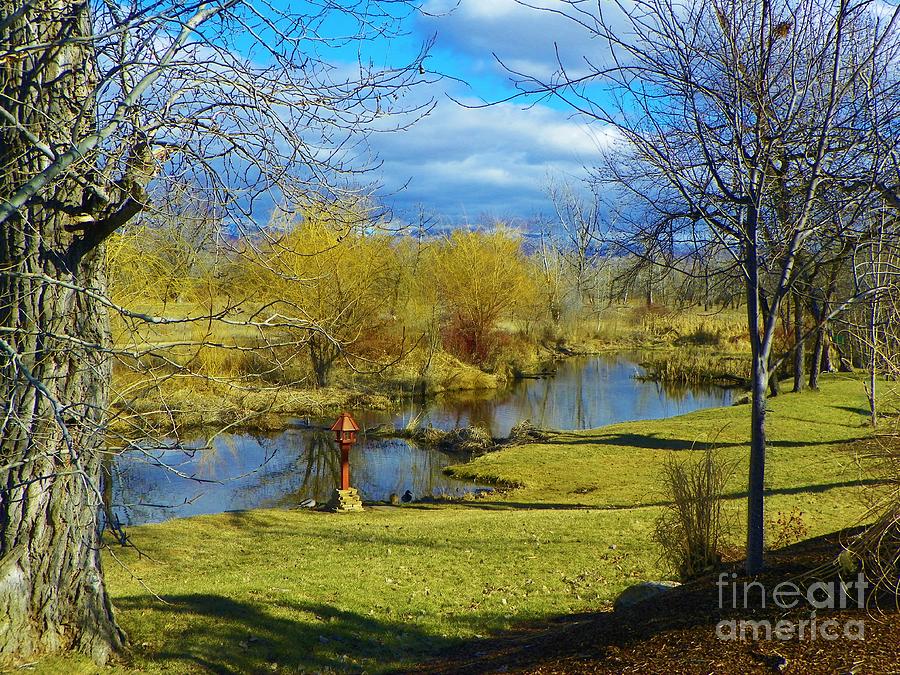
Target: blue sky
[469, 165]
[463, 165]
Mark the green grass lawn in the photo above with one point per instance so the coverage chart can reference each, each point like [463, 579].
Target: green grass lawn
[618, 465]
[294, 591]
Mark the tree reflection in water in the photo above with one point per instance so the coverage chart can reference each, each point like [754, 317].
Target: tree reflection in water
[283, 469]
[318, 468]
[586, 392]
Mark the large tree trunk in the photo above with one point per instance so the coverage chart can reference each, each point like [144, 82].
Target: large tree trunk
[53, 353]
[827, 366]
[816, 365]
[759, 382]
[757, 475]
[820, 308]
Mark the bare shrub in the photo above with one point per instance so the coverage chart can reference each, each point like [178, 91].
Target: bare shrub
[468, 342]
[878, 546]
[691, 529]
[787, 528]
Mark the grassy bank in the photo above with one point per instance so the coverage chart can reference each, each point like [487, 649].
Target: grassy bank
[225, 376]
[682, 345]
[246, 385]
[293, 591]
[811, 453]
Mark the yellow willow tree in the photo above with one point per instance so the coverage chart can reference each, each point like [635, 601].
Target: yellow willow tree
[342, 278]
[481, 278]
[99, 101]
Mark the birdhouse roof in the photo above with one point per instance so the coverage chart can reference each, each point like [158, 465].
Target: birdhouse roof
[345, 423]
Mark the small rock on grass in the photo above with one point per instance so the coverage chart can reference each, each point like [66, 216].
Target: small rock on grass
[641, 592]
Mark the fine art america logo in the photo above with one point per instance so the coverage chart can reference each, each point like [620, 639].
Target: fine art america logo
[787, 595]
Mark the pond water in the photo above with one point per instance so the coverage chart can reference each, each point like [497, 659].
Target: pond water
[244, 471]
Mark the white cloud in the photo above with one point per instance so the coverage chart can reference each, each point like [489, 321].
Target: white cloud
[533, 40]
[478, 8]
[496, 160]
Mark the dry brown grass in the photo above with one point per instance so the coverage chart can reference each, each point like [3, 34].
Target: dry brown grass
[692, 527]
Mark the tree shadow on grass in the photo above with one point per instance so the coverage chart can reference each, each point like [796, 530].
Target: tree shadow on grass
[859, 410]
[507, 505]
[225, 635]
[487, 505]
[655, 442]
[644, 441]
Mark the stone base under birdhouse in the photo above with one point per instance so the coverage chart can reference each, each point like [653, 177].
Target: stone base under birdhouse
[345, 501]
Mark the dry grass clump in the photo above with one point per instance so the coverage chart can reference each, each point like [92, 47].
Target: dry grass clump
[526, 432]
[692, 526]
[451, 374]
[471, 440]
[694, 328]
[878, 547]
[657, 325]
[697, 366]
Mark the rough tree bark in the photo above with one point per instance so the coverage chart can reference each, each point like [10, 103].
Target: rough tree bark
[54, 365]
[759, 377]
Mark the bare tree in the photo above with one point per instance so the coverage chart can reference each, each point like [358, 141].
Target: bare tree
[579, 220]
[252, 103]
[872, 324]
[738, 120]
[549, 255]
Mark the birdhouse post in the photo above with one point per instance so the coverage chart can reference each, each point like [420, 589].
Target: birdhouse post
[345, 498]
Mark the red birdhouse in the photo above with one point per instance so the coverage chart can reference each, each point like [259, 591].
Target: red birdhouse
[345, 429]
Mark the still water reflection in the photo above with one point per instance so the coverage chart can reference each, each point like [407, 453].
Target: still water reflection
[585, 393]
[248, 471]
